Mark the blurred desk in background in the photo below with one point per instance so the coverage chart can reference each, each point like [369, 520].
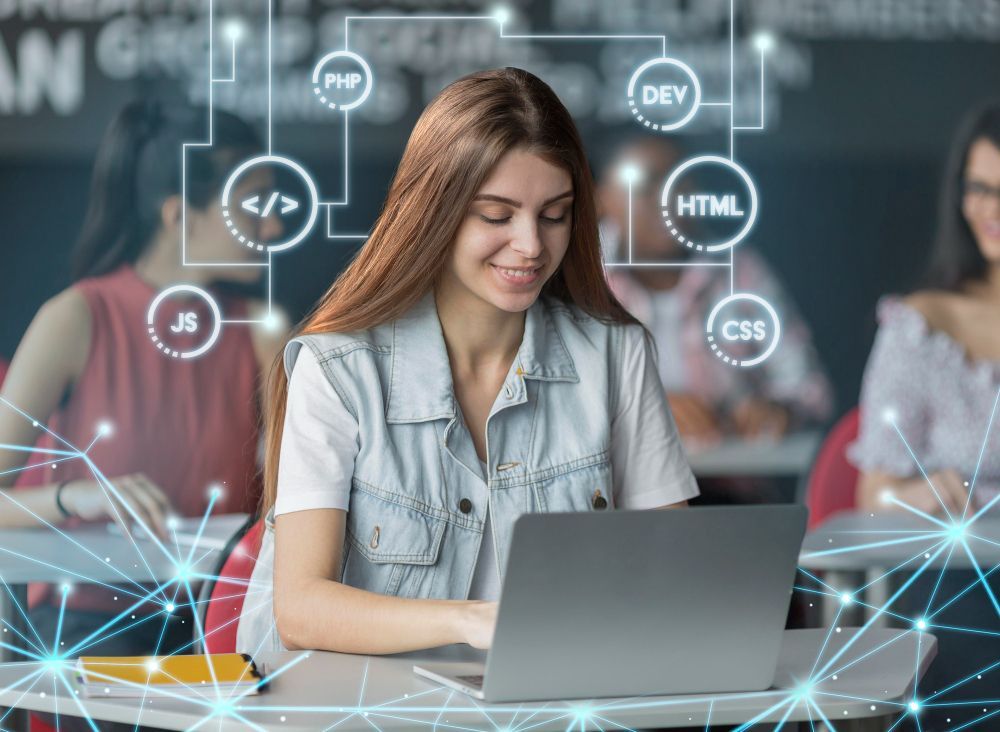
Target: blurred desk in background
[790, 456]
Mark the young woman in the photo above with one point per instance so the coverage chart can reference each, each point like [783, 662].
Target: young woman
[469, 366]
[178, 426]
[933, 379]
[934, 371]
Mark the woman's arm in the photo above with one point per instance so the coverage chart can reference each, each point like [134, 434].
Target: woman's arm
[314, 610]
[944, 492]
[48, 362]
[48, 359]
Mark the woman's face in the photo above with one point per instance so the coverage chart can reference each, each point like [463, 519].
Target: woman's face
[209, 240]
[981, 202]
[515, 232]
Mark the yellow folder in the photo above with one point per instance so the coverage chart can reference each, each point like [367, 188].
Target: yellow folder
[176, 674]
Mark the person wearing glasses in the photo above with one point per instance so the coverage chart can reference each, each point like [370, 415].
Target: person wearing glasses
[929, 394]
[934, 371]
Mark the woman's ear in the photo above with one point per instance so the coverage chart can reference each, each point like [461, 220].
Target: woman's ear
[170, 212]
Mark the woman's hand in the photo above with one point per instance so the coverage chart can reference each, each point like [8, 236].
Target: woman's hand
[87, 499]
[916, 493]
[479, 620]
[879, 491]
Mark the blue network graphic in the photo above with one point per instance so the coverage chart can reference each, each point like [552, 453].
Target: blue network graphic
[342, 80]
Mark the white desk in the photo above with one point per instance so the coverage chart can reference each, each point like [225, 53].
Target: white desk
[857, 541]
[789, 456]
[323, 690]
[855, 549]
[94, 554]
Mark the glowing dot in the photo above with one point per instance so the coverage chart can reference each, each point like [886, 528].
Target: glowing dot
[629, 172]
[173, 522]
[233, 29]
[921, 624]
[839, 629]
[67, 588]
[886, 496]
[835, 677]
[927, 555]
[764, 41]
[105, 428]
[872, 707]
[34, 424]
[42, 695]
[501, 14]
[956, 531]
[152, 665]
[282, 717]
[847, 598]
[914, 706]
[215, 492]
[273, 323]
[889, 415]
[170, 607]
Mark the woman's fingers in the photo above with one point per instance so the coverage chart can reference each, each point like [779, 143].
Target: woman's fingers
[143, 508]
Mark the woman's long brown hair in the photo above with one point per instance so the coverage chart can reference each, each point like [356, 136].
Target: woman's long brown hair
[455, 145]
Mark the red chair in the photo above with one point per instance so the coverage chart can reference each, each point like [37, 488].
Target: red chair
[227, 593]
[833, 480]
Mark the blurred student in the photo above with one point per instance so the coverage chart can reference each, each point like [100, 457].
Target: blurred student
[930, 394]
[708, 398]
[934, 371]
[177, 426]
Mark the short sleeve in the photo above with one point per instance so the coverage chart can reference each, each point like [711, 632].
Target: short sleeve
[649, 468]
[320, 441]
[893, 390]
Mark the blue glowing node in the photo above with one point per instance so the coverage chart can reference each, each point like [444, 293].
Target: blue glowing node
[630, 173]
[956, 532]
[764, 41]
[914, 706]
[847, 598]
[921, 624]
[501, 14]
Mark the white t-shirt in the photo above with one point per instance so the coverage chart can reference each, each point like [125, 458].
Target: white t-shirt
[321, 441]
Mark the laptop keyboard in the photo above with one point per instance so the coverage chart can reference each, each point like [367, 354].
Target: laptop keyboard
[474, 680]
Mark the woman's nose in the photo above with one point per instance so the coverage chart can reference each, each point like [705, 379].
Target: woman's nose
[528, 242]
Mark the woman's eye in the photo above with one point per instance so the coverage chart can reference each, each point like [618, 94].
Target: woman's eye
[554, 219]
[495, 222]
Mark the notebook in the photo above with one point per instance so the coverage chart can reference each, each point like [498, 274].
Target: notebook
[136, 676]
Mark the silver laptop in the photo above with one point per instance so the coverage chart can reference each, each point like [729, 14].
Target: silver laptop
[630, 603]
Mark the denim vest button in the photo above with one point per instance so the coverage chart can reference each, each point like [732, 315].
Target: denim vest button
[600, 502]
[465, 505]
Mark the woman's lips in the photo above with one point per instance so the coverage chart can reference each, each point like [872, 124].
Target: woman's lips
[518, 275]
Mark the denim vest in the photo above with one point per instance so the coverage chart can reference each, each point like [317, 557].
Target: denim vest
[418, 496]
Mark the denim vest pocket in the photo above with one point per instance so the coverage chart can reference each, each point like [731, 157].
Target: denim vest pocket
[391, 548]
[580, 485]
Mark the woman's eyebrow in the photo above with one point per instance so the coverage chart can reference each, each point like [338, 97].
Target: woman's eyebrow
[518, 204]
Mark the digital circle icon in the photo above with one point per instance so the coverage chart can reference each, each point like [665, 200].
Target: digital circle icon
[713, 210]
[342, 80]
[743, 330]
[265, 186]
[183, 321]
[664, 94]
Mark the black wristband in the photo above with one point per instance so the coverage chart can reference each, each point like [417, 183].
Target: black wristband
[59, 503]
